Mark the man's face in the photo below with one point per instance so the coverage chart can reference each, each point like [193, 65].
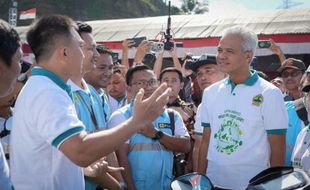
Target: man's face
[100, 76]
[74, 54]
[231, 57]
[8, 75]
[173, 81]
[209, 74]
[117, 86]
[90, 52]
[145, 79]
[291, 78]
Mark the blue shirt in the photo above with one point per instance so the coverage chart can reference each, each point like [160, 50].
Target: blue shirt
[151, 163]
[5, 182]
[294, 127]
[90, 110]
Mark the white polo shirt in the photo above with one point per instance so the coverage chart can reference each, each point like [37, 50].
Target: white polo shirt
[44, 117]
[241, 117]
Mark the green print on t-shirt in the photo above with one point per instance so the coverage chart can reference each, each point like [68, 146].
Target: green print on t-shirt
[228, 137]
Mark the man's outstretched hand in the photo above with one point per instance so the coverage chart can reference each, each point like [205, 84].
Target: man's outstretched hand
[147, 110]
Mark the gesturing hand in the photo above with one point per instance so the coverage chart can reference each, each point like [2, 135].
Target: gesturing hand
[147, 110]
[99, 168]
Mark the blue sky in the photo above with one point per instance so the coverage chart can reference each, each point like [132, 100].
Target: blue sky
[248, 4]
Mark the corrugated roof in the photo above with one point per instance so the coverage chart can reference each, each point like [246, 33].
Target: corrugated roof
[280, 21]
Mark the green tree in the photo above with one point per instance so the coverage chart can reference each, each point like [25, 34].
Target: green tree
[195, 6]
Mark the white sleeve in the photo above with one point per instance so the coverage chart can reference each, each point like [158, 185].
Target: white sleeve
[274, 112]
[116, 118]
[301, 145]
[180, 129]
[55, 117]
[197, 126]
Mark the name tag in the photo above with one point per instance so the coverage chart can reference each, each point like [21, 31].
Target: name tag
[164, 125]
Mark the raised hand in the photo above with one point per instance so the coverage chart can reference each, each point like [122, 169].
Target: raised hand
[147, 110]
[126, 44]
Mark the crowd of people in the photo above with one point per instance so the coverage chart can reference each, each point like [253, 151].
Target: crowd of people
[75, 118]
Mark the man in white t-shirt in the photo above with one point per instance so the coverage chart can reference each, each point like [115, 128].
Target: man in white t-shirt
[243, 116]
[48, 142]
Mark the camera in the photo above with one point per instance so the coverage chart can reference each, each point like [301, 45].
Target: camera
[264, 43]
[169, 45]
[157, 47]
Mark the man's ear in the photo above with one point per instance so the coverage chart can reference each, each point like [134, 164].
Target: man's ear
[61, 53]
[249, 56]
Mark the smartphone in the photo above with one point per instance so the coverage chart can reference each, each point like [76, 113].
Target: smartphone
[137, 41]
[264, 43]
[114, 57]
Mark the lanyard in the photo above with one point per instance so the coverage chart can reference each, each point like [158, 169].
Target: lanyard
[52, 76]
[89, 108]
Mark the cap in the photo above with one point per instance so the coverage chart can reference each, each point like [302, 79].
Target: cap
[308, 70]
[203, 60]
[293, 64]
[306, 87]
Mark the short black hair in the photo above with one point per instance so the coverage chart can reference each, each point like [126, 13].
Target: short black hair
[171, 69]
[103, 50]
[9, 42]
[83, 27]
[132, 70]
[47, 32]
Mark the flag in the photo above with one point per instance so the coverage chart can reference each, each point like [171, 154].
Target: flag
[28, 14]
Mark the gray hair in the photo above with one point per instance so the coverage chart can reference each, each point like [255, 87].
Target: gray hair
[249, 38]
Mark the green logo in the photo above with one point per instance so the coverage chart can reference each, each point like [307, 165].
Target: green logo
[257, 100]
[228, 138]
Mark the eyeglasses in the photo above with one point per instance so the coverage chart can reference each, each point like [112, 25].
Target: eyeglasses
[286, 74]
[143, 83]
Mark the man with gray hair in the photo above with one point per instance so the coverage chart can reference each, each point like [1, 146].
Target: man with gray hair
[241, 136]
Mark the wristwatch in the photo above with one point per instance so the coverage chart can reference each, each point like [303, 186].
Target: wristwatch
[158, 135]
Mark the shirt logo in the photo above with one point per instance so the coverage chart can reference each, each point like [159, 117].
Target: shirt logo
[228, 138]
[164, 125]
[257, 100]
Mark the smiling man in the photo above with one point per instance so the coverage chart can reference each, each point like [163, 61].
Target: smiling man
[50, 135]
[241, 136]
